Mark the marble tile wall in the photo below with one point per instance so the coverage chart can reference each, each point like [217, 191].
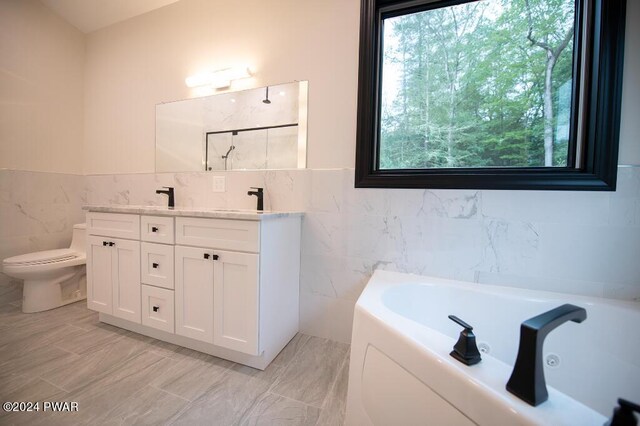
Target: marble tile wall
[285, 190]
[574, 242]
[37, 212]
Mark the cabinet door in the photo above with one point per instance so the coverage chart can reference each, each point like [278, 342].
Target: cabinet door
[99, 287]
[235, 302]
[126, 279]
[194, 293]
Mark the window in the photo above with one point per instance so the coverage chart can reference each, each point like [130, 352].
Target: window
[490, 94]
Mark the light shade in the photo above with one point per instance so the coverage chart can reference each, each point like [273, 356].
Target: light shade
[218, 79]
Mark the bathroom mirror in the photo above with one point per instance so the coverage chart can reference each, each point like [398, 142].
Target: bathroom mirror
[263, 128]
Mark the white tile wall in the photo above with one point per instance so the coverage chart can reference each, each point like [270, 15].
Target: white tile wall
[573, 242]
[37, 212]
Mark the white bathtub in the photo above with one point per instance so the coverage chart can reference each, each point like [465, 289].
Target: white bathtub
[401, 372]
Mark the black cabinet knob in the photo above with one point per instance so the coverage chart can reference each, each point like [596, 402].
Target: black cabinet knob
[155, 265]
[216, 257]
[156, 308]
[111, 244]
[154, 229]
[206, 255]
[104, 243]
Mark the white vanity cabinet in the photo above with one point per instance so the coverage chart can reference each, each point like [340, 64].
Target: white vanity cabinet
[113, 266]
[236, 308]
[226, 284]
[194, 293]
[218, 286]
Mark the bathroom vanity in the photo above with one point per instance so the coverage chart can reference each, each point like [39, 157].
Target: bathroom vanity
[217, 281]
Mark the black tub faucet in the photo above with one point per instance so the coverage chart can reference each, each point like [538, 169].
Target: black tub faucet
[623, 415]
[465, 349]
[169, 192]
[259, 192]
[527, 379]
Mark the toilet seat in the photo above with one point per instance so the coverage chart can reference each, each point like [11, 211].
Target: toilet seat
[42, 257]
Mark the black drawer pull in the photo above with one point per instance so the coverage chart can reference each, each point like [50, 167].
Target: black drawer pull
[216, 257]
[111, 244]
[156, 308]
[206, 255]
[154, 229]
[155, 265]
[104, 243]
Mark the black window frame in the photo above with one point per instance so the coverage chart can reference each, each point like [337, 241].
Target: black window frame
[602, 76]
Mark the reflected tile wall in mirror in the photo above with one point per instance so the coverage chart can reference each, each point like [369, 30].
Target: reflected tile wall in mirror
[199, 134]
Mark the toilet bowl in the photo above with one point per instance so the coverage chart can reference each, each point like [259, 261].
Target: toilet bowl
[52, 278]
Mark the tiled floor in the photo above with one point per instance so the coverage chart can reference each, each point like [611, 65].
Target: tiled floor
[119, 377]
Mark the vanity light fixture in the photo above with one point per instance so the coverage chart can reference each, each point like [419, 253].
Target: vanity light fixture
[218, 79]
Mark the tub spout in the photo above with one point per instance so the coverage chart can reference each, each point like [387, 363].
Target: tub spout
[527, 379]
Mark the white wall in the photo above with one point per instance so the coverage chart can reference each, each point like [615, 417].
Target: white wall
[41, 122]
[41, 89]
[138, 63]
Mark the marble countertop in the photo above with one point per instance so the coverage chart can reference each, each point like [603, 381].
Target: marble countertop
[191, 212]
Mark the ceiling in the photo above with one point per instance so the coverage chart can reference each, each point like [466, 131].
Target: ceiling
[91, 15]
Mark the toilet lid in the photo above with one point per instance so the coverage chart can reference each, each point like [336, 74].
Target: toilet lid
[40, 257]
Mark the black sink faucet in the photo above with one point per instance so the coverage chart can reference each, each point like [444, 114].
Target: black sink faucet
[259, 192]
[527, 379]
[169, 192]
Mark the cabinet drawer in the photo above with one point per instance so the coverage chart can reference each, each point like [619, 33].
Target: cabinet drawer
[157, 229]
[157, 264]
[241, 235]
[157, 308]
[115, 225]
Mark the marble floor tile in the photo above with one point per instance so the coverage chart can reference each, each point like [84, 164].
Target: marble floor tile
[102, 396]
[335, 405]
[9, 313]
[27, 389]
[273, 409]
[118, 377]
[97, 363]
[293, 347]
[190, 377]
[10, 292]
[151, 406]
[310, 376]
[39, 418]
[91, 340]
[17, 387]
[39, 361]
[18, 343]
[227, 401]
[89, 322]
[53, 318]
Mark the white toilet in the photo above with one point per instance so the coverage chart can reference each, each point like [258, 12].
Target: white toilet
[52, 278]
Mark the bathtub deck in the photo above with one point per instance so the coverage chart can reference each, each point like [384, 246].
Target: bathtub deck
[119, 377]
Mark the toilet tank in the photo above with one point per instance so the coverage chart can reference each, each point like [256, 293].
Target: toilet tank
[78, 240]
